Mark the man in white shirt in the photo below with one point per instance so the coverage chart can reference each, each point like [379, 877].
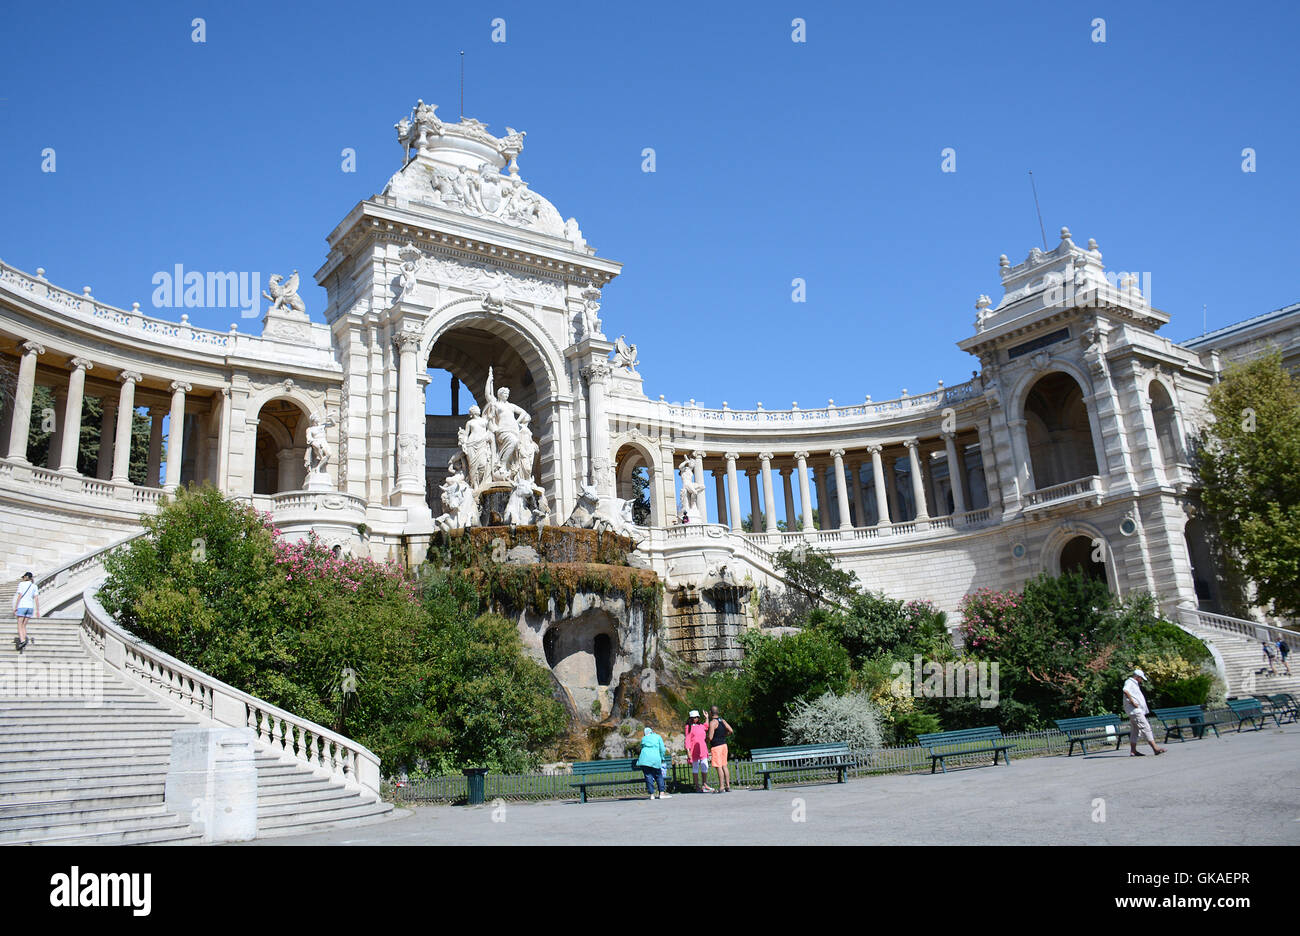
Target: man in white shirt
[1135, 707]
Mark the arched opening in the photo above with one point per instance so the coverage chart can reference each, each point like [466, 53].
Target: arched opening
[1205, 571]
[460, 358]
[603, 650]
[281, 443]
[634, 481]
[1079, 555]
[1058, 432]
[1162, 414]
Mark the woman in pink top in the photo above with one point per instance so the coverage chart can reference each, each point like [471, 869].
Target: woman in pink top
[697, 751]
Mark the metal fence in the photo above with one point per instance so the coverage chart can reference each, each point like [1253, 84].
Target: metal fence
[538, 786]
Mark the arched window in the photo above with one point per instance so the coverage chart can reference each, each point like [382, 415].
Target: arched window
[1162, 413]
[1058, 432]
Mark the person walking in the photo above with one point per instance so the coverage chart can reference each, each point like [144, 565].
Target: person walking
[1269, 658]
[27, 605]
[1284, 651]
[697, 751]
[651, 762]
[719, 734]
[1135, 707]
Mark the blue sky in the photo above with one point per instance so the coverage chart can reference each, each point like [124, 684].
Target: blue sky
[774, 159]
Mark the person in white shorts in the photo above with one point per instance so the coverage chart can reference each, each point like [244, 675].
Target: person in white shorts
[1135, 707]
[27, 605]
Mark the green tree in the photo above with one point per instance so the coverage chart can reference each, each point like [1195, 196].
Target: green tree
[779, 671]
[1249, 467]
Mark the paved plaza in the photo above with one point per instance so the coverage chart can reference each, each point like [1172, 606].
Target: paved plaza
[1241, 789]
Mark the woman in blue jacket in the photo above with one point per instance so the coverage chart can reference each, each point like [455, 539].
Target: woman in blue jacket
[651, 762]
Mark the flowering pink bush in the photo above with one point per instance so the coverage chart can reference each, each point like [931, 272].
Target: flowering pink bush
[986, 617]
[308, 562]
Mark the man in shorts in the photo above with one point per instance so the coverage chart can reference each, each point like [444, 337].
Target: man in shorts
[1135, 707]
[27, 605]
[719, 734]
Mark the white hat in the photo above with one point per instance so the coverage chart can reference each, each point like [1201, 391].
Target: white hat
[695, 713]
[1139, 674]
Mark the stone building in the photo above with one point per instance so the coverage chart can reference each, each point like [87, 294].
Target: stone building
[1067, 449]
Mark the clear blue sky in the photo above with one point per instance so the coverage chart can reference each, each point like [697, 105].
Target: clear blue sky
[775, 159]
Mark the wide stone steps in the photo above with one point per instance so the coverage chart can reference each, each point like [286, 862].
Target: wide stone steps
[90, 768]
[1242, 657]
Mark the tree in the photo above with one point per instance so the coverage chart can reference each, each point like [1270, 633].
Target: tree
[641, 496]
[814, 574]
[1249, 467]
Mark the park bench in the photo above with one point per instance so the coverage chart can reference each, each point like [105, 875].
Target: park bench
[1284, 707]
[1093, 728]
[987, 740]
[600, 773]
[1247, 710]
[800, 758]
[1180, 719]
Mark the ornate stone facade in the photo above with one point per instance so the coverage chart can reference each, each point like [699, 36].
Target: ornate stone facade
[1075, 431]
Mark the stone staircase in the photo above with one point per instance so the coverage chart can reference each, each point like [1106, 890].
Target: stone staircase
[1242, 655]
[74, 773]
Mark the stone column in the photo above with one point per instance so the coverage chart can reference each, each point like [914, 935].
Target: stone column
[789, 500]
[823, 506]
[858, 501]
[22, 409]
[176, 434]
[955, 473]
[597, 375]
[720, 488]
[698, 458]
[410, 416]
[107, 435]
[754, 508]
[805, 497]
[769, 498]
[733, 490]
[842, 490]
[882, 496]
[223, 441]
[125, 417]
[71, 438]
[918, 483]
[54, 446]
[155, 446]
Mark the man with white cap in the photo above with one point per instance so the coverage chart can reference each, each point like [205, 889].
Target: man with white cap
[1135, 707]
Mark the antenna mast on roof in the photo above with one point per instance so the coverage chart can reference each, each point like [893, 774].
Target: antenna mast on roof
[1041, 229]
[462, 84]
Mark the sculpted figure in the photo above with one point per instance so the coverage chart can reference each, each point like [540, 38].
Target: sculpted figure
[624, 354]
[478, 444]
[317, 446]
[285, 296]
[692, 491]
[458, 502]
[517, 510]
[505, 418]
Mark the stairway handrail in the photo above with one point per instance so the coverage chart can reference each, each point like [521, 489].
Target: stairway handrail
[283, 733]
[1239, 626]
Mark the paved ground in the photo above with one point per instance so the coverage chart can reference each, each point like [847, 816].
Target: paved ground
[1243, 789]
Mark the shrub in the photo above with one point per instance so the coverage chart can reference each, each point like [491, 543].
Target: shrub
[780, 671]
[907, 726]
[828, 719]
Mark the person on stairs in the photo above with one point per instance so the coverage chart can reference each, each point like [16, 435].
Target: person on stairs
[27, 605]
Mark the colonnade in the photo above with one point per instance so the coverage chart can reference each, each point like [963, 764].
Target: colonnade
[116, 422]
[831, 483]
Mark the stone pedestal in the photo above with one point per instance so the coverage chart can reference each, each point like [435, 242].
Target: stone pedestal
[319, 481]
[212, 782]
[492, 501]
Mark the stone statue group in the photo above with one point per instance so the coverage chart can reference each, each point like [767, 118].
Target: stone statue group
[497, 450]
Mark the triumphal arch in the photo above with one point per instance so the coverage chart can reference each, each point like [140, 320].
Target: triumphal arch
[1069, 448]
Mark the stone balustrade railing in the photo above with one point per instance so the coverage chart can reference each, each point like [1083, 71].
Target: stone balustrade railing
[54, 585]
[132, 324]
[1252, 630]
[692, 415]
[1079, 487]
[286, 735]
[79, 484]
[288, 501]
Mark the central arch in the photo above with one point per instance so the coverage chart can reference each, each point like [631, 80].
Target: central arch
[465, 339]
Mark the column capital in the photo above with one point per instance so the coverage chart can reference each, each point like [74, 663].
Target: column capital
[718, 472]
[597, 372]
[837, 453]
[406, 341]
[157, 411]
[181, 386]
[785, 471]
[731, 456]
[33, 347]
[751, 472]
[801, 456]
[911, 443]
[949, 436]
[129, 376]
[81, 363]
[875, 448]
[698, 455]
[765, 457]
